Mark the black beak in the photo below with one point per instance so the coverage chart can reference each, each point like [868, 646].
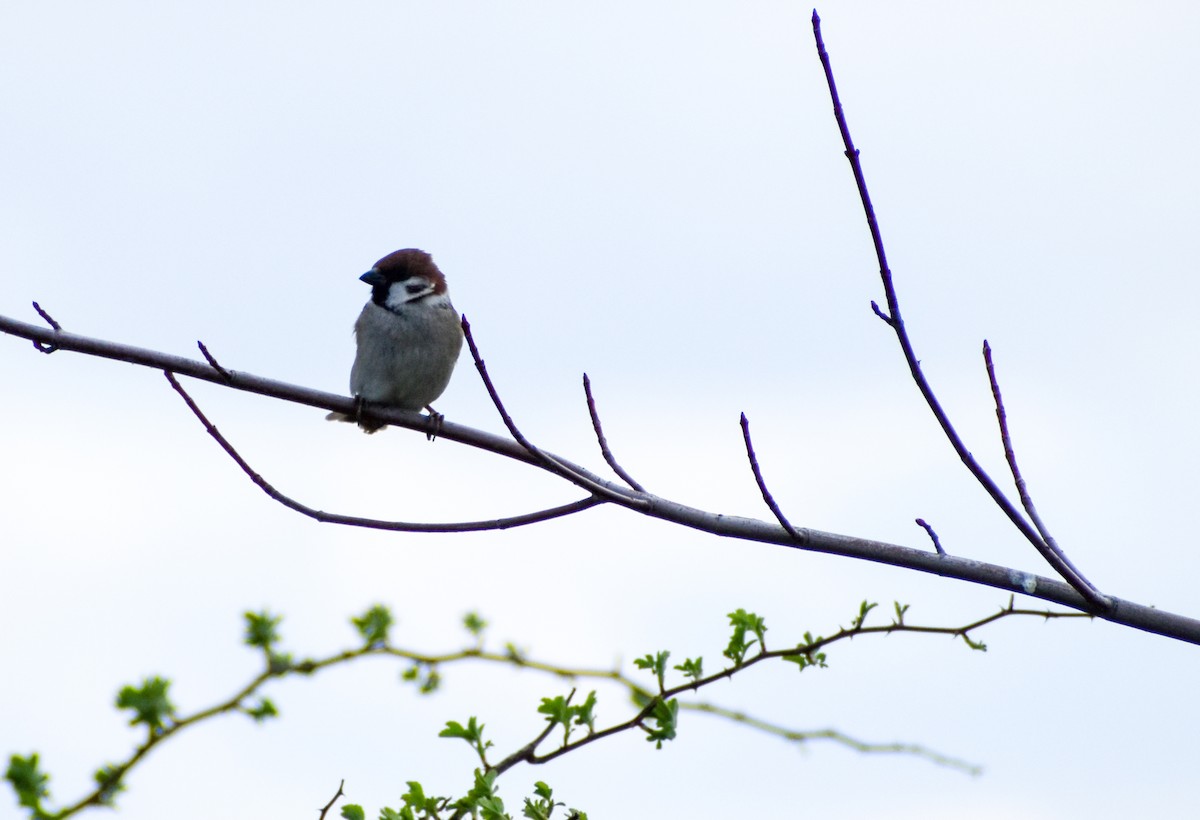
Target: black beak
[373, 278]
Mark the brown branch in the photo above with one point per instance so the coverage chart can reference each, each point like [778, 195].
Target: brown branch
[895, 320]
[332, 800]
[1009, 579]
[762, 484]
[604, 451]
[372, 523]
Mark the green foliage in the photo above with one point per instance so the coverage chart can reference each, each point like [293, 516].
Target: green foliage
[742, 623]
[665, 717]
[108, 781]
[262, 629]
[472, 733]
[263, 710]
[475, 624]
[428, 682]
[373, 625]
[353, 812]
[29, 782]
[692, 669]
[544, 805]
[656, 662]
[863, 609]
[149, 702]
[900, 610]
[559, 711]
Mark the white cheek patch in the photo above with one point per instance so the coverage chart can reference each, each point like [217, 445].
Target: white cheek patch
[411, 289]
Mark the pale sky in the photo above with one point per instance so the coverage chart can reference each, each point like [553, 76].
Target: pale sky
[653, 193]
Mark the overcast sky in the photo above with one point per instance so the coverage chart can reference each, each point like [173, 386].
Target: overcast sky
[653, 193]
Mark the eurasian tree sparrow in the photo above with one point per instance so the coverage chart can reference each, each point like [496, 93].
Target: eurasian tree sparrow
[408, 335]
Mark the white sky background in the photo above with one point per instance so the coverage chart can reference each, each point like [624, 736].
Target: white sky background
[656, 194]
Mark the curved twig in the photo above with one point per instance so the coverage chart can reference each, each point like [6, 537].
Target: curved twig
[46, 348]
[373, 523]
[893, 318]
[604, 451]
[933, 536]
[1010, 455]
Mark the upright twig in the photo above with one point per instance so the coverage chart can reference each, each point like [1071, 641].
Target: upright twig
[1010, 455]
[332, 800]
[225, 374]
[762, 484]
[895, 320]
[604, 450]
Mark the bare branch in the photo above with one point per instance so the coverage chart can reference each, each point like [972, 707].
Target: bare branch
[604, 451]
[1011, 456]
[895, 320]
[1128, 613]
[933, 536]
[762, 484]
[372, 523]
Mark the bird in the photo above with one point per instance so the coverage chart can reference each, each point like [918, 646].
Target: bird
[408, 338]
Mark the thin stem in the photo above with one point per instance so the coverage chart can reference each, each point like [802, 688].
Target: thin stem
[762, 484]
[604, 451]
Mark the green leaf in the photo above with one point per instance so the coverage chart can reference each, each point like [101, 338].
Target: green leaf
[263, 710]
[149, 702]
[693, 669]
[474, 623]
[863, 609]
[656, 662]
[28, 781]
[261, 629]
[742, 623]
[374, 624]
[542, 790]
[353, 812]
[665, 715]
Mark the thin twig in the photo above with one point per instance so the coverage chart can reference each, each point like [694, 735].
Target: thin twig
[46, 348]
[933, 536]
[896, 321]
[372, 523]
[604, 451]
[762, 484]
[333, 800]
[555, 466]
[1011, 456]
[225, 374]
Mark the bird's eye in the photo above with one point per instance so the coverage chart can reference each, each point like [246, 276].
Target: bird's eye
[415, 287]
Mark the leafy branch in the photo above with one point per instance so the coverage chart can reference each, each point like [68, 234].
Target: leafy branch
[657, 709]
